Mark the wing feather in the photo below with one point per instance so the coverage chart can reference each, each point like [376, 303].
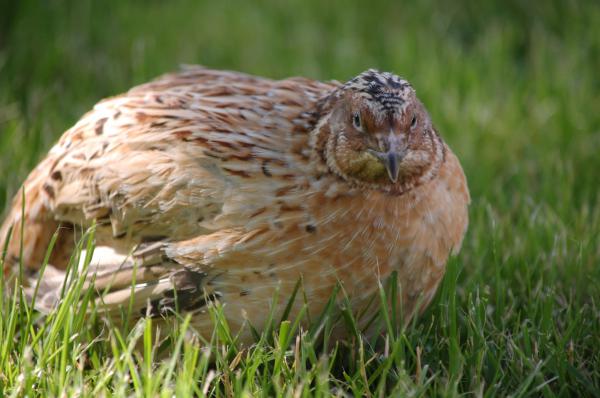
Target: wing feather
[167, 161]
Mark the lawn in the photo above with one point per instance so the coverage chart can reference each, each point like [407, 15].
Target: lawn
[514, 88]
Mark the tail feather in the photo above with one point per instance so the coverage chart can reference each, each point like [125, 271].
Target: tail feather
[27, 235]
[147, 278]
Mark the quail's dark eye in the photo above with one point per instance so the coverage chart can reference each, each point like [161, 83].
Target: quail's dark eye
[356, 121]
[413, 122]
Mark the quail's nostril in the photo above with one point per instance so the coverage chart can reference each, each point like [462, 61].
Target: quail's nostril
[383, 144]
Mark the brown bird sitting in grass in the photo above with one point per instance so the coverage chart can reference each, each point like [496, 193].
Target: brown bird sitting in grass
[209, 185]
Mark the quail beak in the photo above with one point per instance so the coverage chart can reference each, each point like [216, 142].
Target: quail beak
[392, 158]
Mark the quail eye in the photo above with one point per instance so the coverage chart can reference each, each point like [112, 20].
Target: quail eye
[356, 121]
[413, 122]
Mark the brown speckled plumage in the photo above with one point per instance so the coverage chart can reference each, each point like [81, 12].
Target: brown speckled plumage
[211, 185]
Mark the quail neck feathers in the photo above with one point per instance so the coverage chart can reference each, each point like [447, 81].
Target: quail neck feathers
[209, 186]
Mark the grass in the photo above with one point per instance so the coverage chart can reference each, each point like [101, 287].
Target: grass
[513, 87]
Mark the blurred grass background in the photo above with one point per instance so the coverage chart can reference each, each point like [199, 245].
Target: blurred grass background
[513, 86]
